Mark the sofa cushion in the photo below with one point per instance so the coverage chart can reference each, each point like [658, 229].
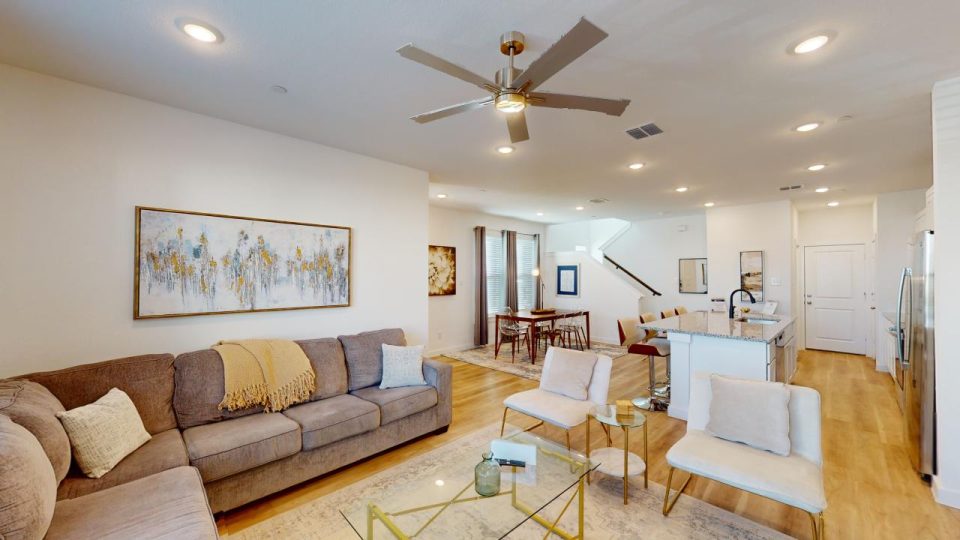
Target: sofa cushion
[163, 451]
[397, 403]
[330, 420]
[35, 408]
[791, 480]
[28, 487]
[147, 379]
[231, 446]
[199, 390]
[171, 504]
[326, 357]
[364, 355]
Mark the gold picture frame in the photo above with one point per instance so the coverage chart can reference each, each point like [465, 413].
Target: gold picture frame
[190, 263]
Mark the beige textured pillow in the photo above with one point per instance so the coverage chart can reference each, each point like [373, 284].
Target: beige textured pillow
[569, 373]
[755, 413]
[104, 432]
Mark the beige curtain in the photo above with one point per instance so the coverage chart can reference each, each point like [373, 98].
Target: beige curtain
[480, 330]
[510, 261]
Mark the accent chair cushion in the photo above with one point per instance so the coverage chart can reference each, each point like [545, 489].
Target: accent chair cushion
[28, 487]
[364, 355]
[333, 419]
[225, 448]
[402, 366]
[104, 432]
[568, 372]
[755, 413]
[791, 480]
[397, 403]
[550, 407]
[35, 408]
[162, 452]
[171, 504]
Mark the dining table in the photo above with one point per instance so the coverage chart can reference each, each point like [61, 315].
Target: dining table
[528, 316]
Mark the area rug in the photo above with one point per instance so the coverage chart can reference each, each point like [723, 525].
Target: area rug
[521, 366]
[606, 517]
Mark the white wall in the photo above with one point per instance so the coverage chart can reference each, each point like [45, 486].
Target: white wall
[767, 227]
[946, 185]
[74, 161]
[895, 220]
[452, 317]
[651, 249]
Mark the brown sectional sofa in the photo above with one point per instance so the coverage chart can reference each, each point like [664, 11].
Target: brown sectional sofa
[200, 458]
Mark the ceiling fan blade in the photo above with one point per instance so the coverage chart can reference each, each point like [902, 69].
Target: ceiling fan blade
[451, 110]
[421, 56]
[517, 125]
[613, 107]
[580, 39]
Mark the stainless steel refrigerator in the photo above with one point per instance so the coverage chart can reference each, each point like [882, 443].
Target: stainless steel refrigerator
[915, 356]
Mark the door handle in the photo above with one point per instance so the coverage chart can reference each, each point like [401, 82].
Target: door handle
[809, 303]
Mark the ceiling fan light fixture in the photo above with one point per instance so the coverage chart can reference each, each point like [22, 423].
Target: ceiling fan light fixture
[510, 102]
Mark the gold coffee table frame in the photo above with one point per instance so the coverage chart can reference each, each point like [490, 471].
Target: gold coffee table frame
[606, 415]
[374, 512]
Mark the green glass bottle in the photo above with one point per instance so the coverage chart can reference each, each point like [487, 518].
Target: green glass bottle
[487, 476]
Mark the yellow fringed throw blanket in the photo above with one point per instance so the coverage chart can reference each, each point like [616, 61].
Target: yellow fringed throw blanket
[274, 373]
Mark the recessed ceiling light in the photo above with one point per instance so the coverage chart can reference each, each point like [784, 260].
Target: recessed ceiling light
[539, 213]
[822, 189]
[441, 195]
[831, 204]
[708, 204]
[579, 208]
[802, 128]
[681, 189]
[811, 44]
[202, 32]
[636, 166]
[505, 149]
[817, 167]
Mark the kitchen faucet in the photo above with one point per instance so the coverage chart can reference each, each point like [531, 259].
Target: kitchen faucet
[752, 299]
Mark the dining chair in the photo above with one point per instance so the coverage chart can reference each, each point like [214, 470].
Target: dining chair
[572, 330]
[547, 405]
[516, 333]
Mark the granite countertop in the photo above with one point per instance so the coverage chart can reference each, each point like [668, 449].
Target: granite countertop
[706, 323]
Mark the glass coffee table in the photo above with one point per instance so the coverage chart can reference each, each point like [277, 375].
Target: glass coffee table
[444, 503]
[614, 461]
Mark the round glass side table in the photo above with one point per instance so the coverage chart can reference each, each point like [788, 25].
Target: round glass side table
[614, 461]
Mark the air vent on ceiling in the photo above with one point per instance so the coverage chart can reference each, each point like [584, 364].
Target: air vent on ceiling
[647, 130]
[791, 188]
[599, 201]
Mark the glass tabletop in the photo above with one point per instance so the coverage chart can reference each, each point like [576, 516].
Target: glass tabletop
[440, 501]
[607, 414]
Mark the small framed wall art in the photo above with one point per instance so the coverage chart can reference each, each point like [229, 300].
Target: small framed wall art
[568, 280]
[751, 275]
[442, 270]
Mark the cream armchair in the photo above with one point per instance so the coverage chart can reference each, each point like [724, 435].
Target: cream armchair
[558, 409]
[795, 480]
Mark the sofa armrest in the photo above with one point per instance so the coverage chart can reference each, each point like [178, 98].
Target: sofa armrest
[440, 376]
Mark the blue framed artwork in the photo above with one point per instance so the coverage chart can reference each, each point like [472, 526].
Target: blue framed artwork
[568, 280]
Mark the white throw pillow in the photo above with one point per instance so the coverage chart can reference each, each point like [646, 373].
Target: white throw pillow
[402, 366]
[104, 432]
[755, 413]
[569, 373]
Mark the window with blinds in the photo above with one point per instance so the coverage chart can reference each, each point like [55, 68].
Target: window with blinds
[496, 273]
[526, 262]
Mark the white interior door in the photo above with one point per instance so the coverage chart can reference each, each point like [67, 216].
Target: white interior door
[835, 298]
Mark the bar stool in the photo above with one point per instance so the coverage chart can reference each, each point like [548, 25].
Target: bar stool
[680, 310]
[668, 313]
[652, 347]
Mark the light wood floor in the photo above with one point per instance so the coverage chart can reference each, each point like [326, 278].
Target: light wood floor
[872, 491]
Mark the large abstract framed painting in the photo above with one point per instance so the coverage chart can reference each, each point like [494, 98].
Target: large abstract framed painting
[568, 280]
[751, 275]
[442, 270]
[192, 263]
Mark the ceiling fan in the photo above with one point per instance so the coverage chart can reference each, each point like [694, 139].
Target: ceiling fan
[512, 89]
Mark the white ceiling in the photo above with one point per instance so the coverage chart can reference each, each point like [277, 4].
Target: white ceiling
[715, 76]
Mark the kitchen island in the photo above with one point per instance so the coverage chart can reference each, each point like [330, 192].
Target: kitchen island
[754, 346]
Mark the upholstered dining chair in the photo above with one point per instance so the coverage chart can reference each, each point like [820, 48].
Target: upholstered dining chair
[795, 479]
[552, 403]
[650, 345]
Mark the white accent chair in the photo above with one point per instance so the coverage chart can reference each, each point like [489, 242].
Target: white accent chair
[556, 409]
[795, 480]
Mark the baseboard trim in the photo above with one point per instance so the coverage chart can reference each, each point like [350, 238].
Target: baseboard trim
[944, 495]
[443, 350]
